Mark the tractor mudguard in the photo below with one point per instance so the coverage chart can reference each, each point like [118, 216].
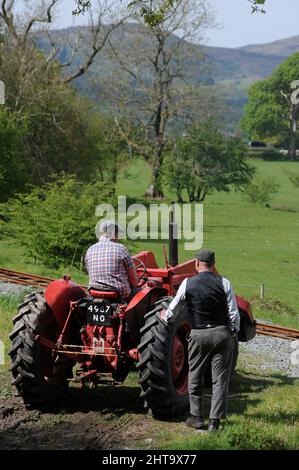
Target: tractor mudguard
[58, 296]
[138, 307]
[247, 322]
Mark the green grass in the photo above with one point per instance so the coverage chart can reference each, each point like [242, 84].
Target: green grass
[13, 257]
[253, 245]
[263, 415]
[8, 308]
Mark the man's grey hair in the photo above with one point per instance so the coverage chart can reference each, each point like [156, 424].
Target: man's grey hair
[109, 229]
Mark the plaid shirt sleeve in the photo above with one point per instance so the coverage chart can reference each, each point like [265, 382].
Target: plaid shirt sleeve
[86, 261]
[127, 259]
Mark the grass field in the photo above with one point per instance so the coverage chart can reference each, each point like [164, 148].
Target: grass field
[253, 245]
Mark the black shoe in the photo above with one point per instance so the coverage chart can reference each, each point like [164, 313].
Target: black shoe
[213, 425]
[195, 422]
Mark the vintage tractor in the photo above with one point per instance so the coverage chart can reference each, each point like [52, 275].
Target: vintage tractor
[107, 338]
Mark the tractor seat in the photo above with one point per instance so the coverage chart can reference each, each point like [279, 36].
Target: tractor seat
[103, 291]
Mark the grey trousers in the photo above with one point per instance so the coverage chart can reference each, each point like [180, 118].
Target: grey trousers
[215, 346]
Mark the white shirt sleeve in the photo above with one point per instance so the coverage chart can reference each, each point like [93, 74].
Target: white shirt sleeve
[177, 301]
[233, 311]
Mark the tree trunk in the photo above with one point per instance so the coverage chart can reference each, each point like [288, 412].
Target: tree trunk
[155, 190]
[292, 147]
[293, 130]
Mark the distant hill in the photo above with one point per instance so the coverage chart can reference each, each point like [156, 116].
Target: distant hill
[232, 64]
[233, 69]
[282, 47]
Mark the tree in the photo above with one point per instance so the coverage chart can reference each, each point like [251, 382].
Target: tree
[161, 97]
[272, 113]
[40, 15]
[63, 131]
[13, 172]
[154, 15]
[203, 161]
[56, 223]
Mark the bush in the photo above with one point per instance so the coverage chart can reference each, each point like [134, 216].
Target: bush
[56, 223]
[272, 155]
[294, 179]
[260, 189]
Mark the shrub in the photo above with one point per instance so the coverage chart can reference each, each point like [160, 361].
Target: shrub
[56, 223]
[260, 189]
[272, 155]
[294, 179]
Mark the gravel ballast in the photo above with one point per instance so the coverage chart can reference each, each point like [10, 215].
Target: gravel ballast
[273, 353]
[12, 289]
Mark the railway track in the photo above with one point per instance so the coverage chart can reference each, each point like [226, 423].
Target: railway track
[15, 277]
[24, 279]
[278, 331]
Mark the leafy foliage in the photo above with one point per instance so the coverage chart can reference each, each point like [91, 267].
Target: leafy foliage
[270, 113]
[13, 171]
[52, 127]
[56, 223]
[204, 160]
[260, 190]
[154, 13]
[294, 178]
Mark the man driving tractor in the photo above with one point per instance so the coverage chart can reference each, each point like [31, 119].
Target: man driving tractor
[109, 263]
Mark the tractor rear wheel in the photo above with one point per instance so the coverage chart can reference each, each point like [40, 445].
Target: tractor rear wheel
[163, 361]
[39, 376]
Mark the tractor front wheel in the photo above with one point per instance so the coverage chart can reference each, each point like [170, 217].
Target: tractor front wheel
[39, 375]
[163, 361]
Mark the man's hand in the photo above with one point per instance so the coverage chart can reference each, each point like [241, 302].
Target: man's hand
[163, 314]
[233, 333]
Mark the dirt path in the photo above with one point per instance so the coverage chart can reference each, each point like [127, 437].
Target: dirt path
[105, 418]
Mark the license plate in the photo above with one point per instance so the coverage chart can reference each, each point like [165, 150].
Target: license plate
[98, 314]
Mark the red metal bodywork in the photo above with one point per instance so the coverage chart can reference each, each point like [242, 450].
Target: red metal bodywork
[58, 296]
[112, 350]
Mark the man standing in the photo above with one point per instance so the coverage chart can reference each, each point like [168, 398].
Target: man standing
[109, 263]
[212, 305]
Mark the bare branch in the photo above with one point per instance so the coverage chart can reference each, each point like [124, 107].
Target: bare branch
[7, 15]
[54, 50]
[48, 18]
[130, 142]
[100, 34]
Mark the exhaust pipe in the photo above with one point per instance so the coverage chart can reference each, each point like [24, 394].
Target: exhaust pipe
[173, 238]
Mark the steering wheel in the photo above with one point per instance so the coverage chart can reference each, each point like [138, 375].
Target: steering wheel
[140, 265]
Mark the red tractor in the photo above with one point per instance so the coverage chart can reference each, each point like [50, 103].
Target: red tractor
[107, 338]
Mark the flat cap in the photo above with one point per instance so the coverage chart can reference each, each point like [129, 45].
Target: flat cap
[110, 227]
[206, 256]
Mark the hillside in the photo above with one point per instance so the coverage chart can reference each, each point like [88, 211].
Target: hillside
[281, 47]
[233, 70]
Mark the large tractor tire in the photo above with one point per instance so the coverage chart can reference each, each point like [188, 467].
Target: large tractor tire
[163, 361]
[40, 377]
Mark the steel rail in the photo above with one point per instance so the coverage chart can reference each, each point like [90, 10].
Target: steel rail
[278, 331]
[16, 277]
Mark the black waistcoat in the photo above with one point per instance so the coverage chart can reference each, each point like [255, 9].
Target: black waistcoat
[206, 300]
